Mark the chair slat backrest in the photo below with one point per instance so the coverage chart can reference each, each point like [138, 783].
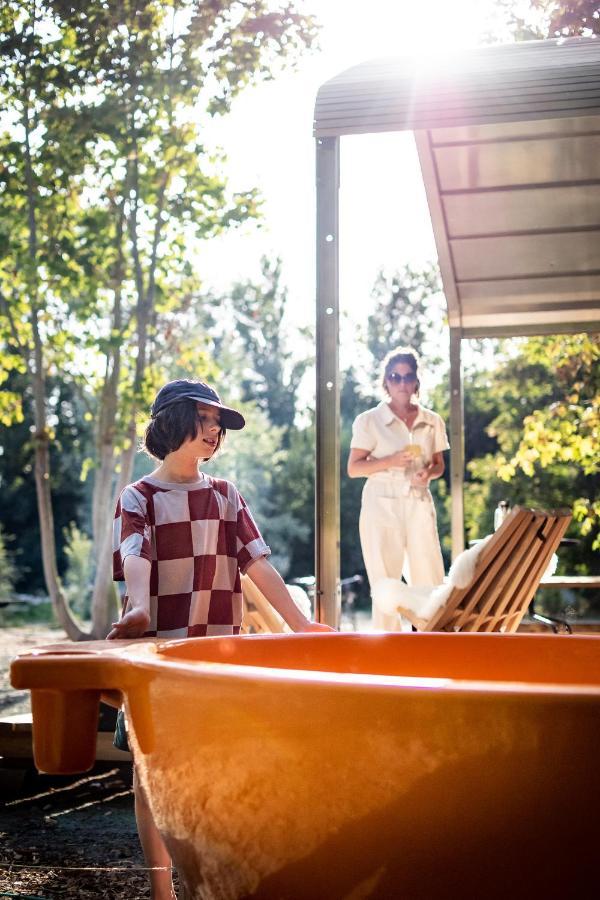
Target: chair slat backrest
[259, 617]
[495, 586]
[507, 574]
[551, 534]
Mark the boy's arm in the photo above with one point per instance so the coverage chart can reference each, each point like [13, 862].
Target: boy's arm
[136, 620]
[271, 584]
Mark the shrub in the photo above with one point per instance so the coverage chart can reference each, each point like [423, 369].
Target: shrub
[8, 570]
[79, 577]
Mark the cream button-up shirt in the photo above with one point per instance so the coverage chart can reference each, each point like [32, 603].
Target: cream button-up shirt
[381, 433]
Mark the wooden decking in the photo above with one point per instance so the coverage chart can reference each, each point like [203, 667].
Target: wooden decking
[574, 582]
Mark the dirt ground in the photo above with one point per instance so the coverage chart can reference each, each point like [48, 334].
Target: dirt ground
[69, 836]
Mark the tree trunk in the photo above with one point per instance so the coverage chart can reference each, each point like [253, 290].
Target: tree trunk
[46, 518]
[42, 484]
[42, 455]
[104, 597]
[104, 592]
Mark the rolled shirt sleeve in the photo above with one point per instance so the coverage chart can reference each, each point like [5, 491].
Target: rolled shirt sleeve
[250, 542]
[131, 530]
[440, 437]
[362, 436]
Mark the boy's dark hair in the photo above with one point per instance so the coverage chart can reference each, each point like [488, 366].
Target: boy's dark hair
[171, 427]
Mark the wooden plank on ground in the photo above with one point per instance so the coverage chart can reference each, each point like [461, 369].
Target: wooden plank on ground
[16, 741]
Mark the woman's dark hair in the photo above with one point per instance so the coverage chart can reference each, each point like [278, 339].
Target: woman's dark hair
[171, 427]
[405, 355]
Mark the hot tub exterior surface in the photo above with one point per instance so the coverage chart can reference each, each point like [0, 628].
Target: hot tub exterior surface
[350, 766]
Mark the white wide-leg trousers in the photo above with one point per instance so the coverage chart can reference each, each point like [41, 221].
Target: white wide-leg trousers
[398, 535]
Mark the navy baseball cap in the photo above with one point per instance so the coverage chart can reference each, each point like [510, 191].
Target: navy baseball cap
[176, 391]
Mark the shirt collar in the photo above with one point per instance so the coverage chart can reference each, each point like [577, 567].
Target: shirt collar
[386, 416]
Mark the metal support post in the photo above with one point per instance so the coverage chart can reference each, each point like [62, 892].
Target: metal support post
[457, 452]
[327, 524]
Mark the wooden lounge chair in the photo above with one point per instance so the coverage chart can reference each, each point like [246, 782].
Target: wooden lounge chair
[259, 617]
[507, 575]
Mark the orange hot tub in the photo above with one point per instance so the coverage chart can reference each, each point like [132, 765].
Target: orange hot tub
[322, 767]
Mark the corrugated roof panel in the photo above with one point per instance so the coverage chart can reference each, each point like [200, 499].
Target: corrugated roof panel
[497, 83]
[560, 253]
[547, 291]
[525, 210]
[545, 161]
[509, 145]
[508, 131]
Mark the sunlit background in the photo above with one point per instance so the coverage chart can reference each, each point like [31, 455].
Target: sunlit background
[384, 220]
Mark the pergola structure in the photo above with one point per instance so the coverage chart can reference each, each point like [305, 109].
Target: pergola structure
[509, 144]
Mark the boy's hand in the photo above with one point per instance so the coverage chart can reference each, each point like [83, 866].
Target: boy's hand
[135, 621]
[133, 624]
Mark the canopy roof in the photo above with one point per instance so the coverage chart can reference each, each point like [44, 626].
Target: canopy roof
[509, 143]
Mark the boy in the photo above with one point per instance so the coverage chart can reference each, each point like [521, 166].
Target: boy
[181, 539]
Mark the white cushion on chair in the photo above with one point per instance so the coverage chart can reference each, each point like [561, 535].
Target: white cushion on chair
[390, 593]
[462, 569]
[425, 601]
[301, 599]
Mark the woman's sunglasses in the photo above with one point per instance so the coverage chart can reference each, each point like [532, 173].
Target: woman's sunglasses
[396, 378]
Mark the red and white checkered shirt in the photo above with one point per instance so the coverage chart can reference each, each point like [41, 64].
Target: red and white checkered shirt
[198, 538]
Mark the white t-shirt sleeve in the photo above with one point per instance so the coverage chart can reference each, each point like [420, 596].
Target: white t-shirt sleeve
[440, 438]
[362, 438]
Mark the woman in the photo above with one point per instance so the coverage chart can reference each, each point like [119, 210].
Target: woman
[398, 447]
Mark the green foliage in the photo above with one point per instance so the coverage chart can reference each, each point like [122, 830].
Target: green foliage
[252, 344]
[271, 373]
[407, 312]
[103, 136]
[79, 576]
[561, 435]
[106, 189]
[27, 614]
[574, 17]
[530, 425]
[567, 430]
[296, 494]
[548, 18]
[353, 400]
[8, 570]
[18, 509]
[256, 463]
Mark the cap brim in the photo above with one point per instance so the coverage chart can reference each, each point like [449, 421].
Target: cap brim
[230, 418]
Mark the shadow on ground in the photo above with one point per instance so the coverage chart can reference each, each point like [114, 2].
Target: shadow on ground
[70, 836]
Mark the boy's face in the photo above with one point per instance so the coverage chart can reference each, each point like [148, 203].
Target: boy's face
[209, 427]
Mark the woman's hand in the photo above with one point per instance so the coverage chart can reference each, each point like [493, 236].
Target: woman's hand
[400, 459]
[428, 473]
[421, 478]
